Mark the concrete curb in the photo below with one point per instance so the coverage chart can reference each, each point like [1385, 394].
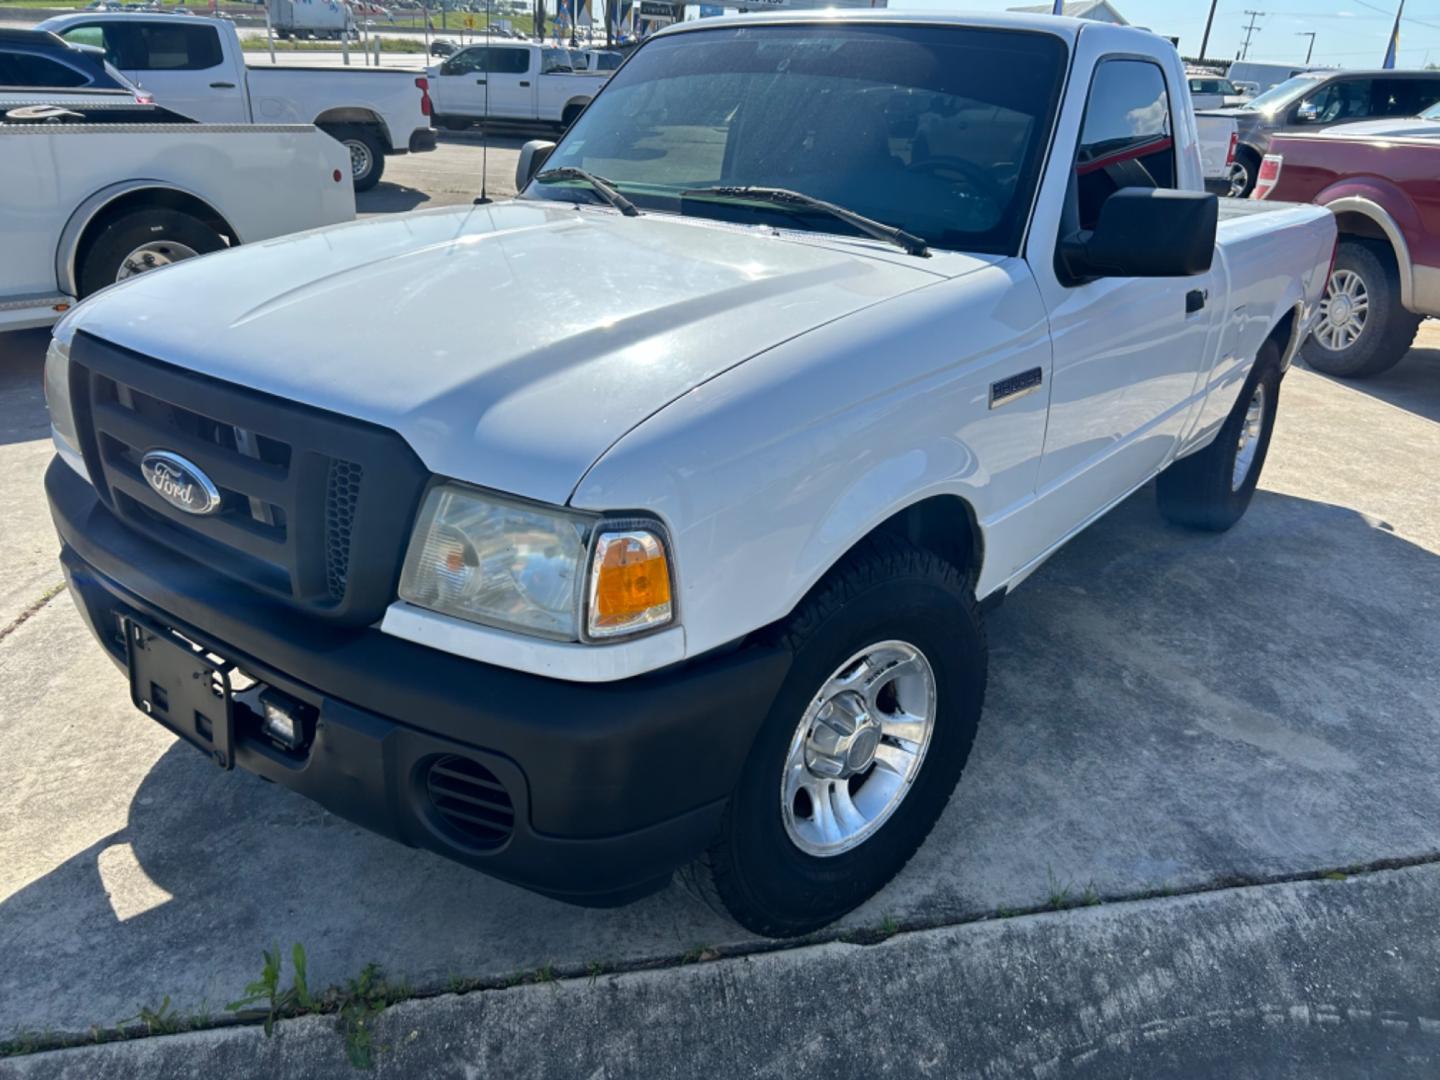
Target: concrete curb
[1289, 980]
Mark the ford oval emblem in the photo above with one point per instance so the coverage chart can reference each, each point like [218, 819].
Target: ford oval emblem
[179, 482]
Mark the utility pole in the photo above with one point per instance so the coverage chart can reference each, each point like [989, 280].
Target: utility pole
[1308, 52]
[1250, 29]
[1205, 41]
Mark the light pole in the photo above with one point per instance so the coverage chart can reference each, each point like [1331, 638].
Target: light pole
[1310, 51]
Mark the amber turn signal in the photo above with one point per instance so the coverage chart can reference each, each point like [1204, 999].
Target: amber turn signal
[629, 584]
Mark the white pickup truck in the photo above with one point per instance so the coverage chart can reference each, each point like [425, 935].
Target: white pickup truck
[513, 81]
[95, 188]
[649, 520]
[196, 67]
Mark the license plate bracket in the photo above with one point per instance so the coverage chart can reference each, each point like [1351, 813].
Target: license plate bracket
[182, 687]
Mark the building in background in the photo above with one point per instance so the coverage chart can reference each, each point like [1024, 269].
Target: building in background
[1099, 10]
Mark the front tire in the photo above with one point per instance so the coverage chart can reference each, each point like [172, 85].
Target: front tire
[1212, 489]
[1363, 329]
[862, 747]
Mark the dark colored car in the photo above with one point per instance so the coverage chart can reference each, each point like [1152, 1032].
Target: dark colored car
[441, 47]
[1321, 99]
[38, 58]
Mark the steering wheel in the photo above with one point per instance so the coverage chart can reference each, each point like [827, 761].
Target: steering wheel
[973, 174]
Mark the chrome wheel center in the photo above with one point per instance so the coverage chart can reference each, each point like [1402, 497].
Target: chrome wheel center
[359, 159]
[858, 748]
[152, 256]
[1343, 311]
[1249, 437]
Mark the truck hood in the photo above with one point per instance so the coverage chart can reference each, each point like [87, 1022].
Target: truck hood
[510, 345]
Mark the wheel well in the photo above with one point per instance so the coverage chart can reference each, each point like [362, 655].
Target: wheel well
[1354, 226]
[165, 198]
[943, 524]
[342, 117]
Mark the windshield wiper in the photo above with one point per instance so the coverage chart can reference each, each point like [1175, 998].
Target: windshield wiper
[602, 187]
[785, 197]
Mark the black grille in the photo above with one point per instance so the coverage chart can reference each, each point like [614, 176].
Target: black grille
[315, 508]
[342, 495]
[470, 802]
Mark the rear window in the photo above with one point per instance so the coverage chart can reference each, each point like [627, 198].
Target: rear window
[27, 69]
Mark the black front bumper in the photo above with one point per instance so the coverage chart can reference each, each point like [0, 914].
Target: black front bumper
[614, 784]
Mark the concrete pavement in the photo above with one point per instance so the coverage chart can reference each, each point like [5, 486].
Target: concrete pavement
[1168, 711]
[1328, 978]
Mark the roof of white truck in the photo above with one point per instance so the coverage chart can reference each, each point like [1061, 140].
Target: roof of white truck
[1058, 25]
[57, 22]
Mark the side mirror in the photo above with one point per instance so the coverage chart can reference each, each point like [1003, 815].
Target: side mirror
[1307, 113]
[1145, 232]
[533, 156]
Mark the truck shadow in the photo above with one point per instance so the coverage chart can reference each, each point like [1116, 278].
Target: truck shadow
[1412, 385]
[22, 389]
[1166, 710]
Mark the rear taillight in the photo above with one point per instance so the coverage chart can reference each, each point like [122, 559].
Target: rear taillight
[425, 107]
[1268, 176]
[1230, 154]
[142, 98]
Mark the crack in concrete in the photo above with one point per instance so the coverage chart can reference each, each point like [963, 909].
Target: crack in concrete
[29, 1043]
[34, 609]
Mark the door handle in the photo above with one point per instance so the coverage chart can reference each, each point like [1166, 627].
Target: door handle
[1195, 300]
[479, 82]
[222, 86]
[525, 82]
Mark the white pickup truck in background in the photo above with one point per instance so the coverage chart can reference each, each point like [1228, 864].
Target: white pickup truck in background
[95, 189]
[687, 562]
[195, 66]
[512, 81]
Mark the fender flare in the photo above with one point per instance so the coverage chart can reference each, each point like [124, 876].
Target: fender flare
[84, 214]
[1368, 208]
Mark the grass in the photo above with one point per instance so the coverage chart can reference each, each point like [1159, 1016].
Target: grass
[387, 45]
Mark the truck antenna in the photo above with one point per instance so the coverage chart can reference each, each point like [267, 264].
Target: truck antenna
[484, 199]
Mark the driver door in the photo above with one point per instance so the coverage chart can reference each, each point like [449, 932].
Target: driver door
[1127, 351]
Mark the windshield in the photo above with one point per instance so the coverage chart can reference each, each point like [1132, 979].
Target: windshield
[939, 131]
[1283, 94]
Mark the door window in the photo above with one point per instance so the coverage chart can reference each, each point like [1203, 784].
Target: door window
[24, 69]
[555, 60]
[495, 61]
[1127, 138]
[1336, 102]
[154, 47]
[1404, 97]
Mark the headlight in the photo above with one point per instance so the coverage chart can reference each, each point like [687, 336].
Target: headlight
[57, 398]
[510, 564]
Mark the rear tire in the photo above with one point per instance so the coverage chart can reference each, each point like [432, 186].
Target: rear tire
[367, 154]
[1243, 172]
[139, 241]
[1212, 489]
[1363, 329]
[786, 865]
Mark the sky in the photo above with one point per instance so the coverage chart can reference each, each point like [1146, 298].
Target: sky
[1348, 33]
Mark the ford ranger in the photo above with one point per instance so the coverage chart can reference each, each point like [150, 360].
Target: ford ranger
[670, 544]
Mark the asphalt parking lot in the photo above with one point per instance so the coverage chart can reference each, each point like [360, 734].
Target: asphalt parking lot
[1198, 834]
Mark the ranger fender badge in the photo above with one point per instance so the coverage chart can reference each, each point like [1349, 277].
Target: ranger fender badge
[179, 482]
[1015, 386]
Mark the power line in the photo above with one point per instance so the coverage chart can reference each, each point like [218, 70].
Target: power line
[1250, 29]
